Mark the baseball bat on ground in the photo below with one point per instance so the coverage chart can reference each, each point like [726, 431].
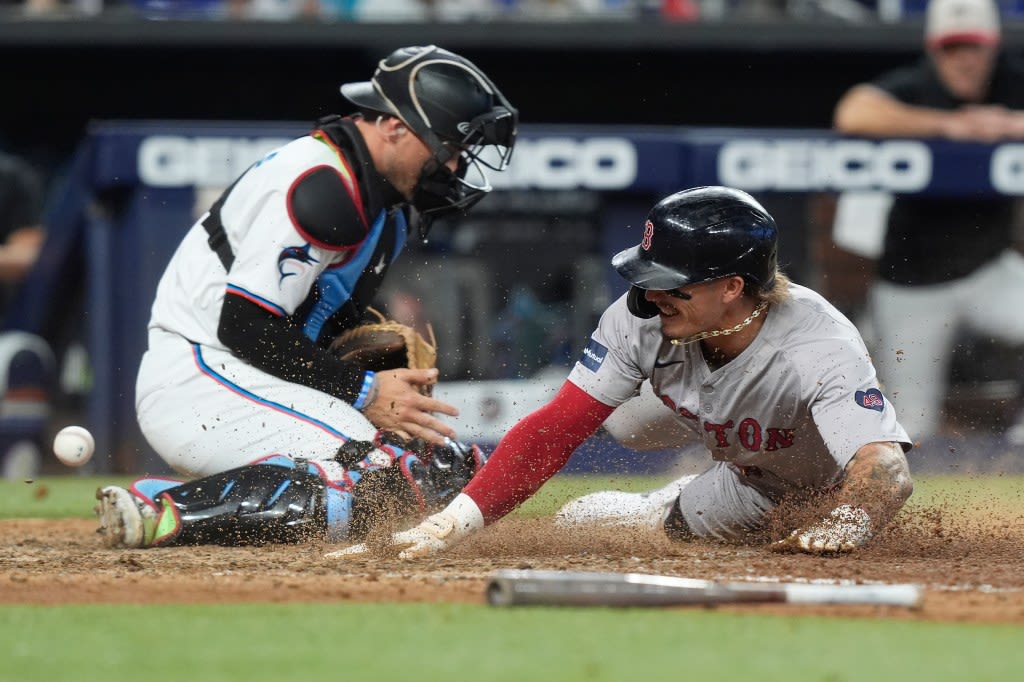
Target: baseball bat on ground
[511, 587]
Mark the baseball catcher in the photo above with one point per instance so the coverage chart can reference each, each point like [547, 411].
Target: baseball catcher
[262, 383]
[279, 499]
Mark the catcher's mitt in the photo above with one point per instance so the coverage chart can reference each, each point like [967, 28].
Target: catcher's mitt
[386, 344]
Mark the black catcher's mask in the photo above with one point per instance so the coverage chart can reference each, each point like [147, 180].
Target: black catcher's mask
[456, 110]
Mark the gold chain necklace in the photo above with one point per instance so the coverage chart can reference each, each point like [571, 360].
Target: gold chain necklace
[700, 336]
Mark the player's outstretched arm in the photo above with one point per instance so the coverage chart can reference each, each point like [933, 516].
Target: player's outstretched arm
[878, 481]
[530, 453]
[876, 485]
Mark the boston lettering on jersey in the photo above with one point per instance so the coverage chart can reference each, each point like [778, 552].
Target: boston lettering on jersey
[748, 433]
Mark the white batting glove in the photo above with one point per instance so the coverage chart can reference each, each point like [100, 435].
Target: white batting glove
[435, 534]
[845, 528]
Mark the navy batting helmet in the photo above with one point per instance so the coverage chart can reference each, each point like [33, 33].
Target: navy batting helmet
[455, 109]
[698, 235]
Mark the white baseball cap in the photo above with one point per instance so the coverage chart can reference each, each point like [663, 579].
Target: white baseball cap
[962, 21]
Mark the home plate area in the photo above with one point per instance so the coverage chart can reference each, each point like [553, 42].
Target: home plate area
[969, 568]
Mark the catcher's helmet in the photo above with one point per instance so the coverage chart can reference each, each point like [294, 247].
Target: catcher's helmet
[454, 108]
[698, 235]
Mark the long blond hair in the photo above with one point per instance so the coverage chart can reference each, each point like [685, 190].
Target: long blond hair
[779, 291]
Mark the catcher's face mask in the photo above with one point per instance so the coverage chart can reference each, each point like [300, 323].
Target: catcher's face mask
[487, 143]
[456, 110]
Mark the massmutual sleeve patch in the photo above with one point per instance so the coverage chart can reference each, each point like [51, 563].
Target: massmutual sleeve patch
[871, 399]
[593, 355]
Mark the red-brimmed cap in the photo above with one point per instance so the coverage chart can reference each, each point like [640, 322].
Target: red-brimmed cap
[962, 21]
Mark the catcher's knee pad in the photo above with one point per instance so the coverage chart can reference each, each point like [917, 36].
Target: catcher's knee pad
[396, 480]
[450, 468]
[413, 485]
[387, 496]
[253, 504]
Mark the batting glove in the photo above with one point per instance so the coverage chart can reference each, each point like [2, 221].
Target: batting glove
[434, 535]
[846, 528]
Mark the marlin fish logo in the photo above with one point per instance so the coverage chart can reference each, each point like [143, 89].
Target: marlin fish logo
[293, 259]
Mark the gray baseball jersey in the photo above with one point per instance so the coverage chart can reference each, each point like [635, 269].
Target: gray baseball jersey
[788, 413]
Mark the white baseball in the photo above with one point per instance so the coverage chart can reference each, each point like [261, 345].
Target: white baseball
[74, 446]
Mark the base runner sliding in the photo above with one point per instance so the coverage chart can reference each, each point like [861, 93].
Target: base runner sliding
[772, 379]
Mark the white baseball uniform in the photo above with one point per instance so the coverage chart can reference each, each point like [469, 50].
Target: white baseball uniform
[785, 416]
[297, 272]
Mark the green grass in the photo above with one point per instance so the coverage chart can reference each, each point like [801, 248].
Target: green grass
[53, 497]
[474, 643]
[1000, 491]
[57, 497]
[458, 642]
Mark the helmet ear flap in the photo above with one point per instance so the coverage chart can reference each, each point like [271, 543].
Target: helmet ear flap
[638, 305]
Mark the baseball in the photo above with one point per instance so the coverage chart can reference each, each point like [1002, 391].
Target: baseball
[74, 446]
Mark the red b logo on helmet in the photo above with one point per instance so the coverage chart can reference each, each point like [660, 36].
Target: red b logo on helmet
[645, 243]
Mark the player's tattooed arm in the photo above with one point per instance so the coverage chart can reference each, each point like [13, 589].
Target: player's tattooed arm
[878, 481]
[876, 485]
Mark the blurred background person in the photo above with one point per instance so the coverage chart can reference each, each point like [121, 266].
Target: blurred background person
[21, 229]
[26, 361]
[947, 265]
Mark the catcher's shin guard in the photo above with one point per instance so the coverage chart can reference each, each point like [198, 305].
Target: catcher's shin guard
[253, 504]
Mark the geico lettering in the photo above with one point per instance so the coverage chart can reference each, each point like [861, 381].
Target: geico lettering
[803, 165]
[850, 165]
[177, 161]
[1006, 170]
[598, 163]
[904, 165]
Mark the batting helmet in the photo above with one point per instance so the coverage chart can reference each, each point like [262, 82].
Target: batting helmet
[698, 235]
[454, 108]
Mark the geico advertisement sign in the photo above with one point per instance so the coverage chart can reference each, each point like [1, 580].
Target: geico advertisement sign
[602, 163]
[1007, 169]
[802, 165]
[611, 163]
[174, 161]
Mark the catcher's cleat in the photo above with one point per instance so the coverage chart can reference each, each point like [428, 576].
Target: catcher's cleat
[123, 517]
[617, 509]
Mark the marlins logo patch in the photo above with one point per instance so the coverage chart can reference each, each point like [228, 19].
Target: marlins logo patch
[871, 399]
[293, 260]
[593, 355]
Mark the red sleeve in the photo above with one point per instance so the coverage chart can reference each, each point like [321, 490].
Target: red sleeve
[534, 451]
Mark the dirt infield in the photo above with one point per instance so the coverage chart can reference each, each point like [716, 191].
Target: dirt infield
[971, 575]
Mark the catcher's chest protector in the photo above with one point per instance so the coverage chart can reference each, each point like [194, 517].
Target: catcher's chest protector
[362, 273]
